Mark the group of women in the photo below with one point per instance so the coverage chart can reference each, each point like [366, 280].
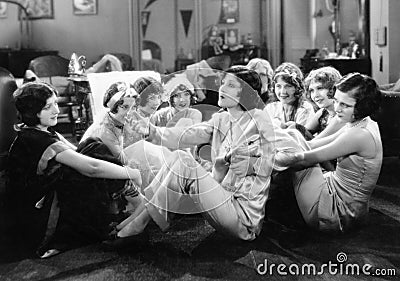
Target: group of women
[326, 118]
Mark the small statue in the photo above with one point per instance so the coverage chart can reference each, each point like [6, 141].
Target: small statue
[215, 40]
[76, 65]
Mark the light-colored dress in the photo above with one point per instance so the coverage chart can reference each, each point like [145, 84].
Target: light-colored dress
[303, 113]
[338, 200]
[231, 204]
[115, 135]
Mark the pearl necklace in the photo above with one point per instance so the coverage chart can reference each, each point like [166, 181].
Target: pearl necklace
[357, 123]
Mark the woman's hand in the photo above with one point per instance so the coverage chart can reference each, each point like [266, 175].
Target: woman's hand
[142, 127]
[134, 175]
[243, 165]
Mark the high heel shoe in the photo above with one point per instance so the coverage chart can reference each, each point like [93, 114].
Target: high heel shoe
[115, 242]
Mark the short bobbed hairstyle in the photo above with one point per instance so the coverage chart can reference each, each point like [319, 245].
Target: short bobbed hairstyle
[291, 74]
[250, 95]
[111, 91]
[262, 65]
[145, 87]
[328, 76]
[30, 99]
[364, 90]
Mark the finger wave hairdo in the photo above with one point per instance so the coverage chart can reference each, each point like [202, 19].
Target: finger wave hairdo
[364, 90]
[30, 99]
[249, 97]
[327, 76]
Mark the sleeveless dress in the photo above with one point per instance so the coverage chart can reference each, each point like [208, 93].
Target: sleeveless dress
[338, 200]
[350, 186]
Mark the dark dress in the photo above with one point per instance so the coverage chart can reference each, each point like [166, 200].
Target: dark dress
[48, 203]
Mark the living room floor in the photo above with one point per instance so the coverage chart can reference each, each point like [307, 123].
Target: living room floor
[193, 250]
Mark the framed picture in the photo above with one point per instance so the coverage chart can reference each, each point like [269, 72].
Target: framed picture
[232, 36]
[3, 10]
[38, 9]
[84, 7]
[229, 11]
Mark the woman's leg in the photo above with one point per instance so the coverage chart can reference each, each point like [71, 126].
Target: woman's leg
[185, 187]
[308, 185]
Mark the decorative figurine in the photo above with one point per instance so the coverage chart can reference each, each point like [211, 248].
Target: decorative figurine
[76, 65]
[215, 40]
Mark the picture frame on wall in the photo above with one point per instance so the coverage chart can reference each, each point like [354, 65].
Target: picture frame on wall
[229, 11]
[3, 10]
[232, 37]
[38, 9]
[84, 7]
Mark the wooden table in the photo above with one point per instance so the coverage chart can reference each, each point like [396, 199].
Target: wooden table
[81, 89]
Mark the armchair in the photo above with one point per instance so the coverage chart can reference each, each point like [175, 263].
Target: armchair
[8, 113]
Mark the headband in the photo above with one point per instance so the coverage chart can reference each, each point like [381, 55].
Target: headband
[123, 91]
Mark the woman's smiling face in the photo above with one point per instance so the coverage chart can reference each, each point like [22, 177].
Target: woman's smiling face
[319, 94]
[152, 104]
[284, 91]
[181, 100]
[49, 113]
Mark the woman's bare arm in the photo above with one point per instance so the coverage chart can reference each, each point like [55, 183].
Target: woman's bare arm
[96, 168]
[356, 140]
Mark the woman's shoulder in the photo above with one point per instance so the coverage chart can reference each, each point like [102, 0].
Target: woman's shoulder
[33, 135]
[272, 106]
[194, 112]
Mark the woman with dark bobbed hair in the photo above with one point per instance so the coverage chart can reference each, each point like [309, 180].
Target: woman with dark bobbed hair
[42, 165]
[232, 201]
[338, 200]
[150, 91]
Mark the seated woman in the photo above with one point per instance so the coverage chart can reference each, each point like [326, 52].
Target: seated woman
[37, 161]
[338, 201]
[232, 203]
[115, 128]
[120, 98]
[264, 69]
[181, 98]
[150, 91]
[319, 86]
[291, 106]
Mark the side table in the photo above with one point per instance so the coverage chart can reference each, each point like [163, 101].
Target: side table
[81, 89]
